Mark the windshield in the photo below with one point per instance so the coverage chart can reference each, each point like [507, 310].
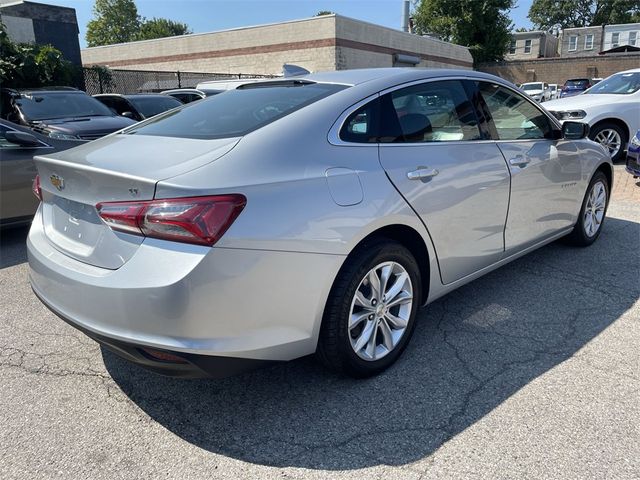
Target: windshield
[47, 106]
[152, 105]
[236, 112]
[532, 86]
[581, 82]
[619, 84]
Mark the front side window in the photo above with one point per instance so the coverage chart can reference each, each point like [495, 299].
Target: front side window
[238, 112]
[514, 117]
[615, 39]
[428, 112]
[633, 38]
[573, 43]
[527, 46]
[588, 42]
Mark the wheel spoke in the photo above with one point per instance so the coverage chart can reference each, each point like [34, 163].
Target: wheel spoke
[357, 318]
[395, 321]
[362, 301]
[400, 299]
[385, 274]
[374, 282]
[396, 288]
[387, 336]
[365, 336]
[371, 344]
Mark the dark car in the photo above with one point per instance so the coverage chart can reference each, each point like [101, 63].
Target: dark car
[18, 145]
[575, 86]
[633, 156]
[63, 113]
[138, 106]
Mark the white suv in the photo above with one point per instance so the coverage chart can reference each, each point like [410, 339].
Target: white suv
[539, 91]
[611, 108]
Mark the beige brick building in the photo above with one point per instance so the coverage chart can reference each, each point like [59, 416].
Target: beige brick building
[330, 42]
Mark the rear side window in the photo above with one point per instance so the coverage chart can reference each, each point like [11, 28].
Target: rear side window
[154, 104]
[429, 112]
[236, 112]
[362, 125]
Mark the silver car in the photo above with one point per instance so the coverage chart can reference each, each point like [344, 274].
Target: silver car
[305, 215]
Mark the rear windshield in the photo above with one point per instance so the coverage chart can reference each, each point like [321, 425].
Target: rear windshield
[154, 104]
[236, 112]
[46, 106]
[620, 84]
[532, 86]
[580, 82]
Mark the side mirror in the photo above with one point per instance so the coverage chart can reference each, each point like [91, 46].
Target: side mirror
[128, 115]
[23, 139]
[575, 130]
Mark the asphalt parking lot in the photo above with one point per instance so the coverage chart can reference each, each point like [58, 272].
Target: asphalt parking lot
[530, 372]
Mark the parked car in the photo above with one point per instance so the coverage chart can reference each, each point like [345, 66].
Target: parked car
[187, 95]
[213, 87]
[539, 91]
[611, 108]
[138, 106]
[633, 156]
[18, 145]
[305, 215]
[553, 88]
[63, 113]
[574, 86]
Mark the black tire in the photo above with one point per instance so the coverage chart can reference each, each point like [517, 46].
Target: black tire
[334, 344]
[578, 236]
[624, 137]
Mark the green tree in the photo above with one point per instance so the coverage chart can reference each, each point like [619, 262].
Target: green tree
[25, 65]
[161, 27]
[115, 21]
[321, 13]
[583, 13]
[482, 26]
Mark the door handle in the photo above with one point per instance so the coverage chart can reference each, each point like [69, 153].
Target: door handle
[519, 161]
[422, 173]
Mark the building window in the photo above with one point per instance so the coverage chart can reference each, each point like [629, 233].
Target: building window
[527, 46]
[615, 39]
[512, 47]
[633, 38]
[573, 43]
[588, 42]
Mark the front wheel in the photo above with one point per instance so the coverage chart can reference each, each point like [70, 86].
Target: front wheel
[592, 213]
[612, 137]
[371, 310]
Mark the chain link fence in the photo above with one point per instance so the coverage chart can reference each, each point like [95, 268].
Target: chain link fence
[104, 80]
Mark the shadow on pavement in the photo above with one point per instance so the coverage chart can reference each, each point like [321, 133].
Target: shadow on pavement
[471, 351]
[13, 247]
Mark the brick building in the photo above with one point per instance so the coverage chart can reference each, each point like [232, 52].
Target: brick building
[329, 42]
[535, 44]
[580, 42]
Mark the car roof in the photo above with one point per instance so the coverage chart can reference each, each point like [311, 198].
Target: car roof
[49, 90]
[131, 95]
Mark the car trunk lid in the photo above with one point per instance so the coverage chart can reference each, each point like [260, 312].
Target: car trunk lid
[116, 168]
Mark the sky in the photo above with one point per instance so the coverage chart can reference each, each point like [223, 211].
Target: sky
[211, 15]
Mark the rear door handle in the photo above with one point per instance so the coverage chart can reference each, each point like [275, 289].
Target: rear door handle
[519, 161]
[422, 173]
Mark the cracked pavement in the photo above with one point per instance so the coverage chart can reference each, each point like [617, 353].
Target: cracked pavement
[532, 371]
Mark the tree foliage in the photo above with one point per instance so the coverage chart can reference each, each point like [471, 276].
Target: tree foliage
[25, 65]
[115, 21]
[583, 13]
[161, 27]
[483, 26]
[118, 21]
[324, 12]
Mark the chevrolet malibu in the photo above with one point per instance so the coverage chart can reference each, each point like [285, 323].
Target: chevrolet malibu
[314, 214]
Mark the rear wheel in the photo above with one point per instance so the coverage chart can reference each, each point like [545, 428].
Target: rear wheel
[592, 213]
[612, 137]
[370, 313]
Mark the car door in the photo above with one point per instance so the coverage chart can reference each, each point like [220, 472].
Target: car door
[545, 171]
[432, 150]
[17, 172]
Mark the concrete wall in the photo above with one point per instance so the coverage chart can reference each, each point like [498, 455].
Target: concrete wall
[581, 34]
[321, 43]
[558, 70]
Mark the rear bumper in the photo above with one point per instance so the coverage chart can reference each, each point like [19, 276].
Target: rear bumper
[212, 302]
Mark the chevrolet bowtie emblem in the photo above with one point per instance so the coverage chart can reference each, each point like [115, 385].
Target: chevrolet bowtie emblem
[57, 182]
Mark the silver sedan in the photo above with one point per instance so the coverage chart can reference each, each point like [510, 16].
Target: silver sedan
[306, 215]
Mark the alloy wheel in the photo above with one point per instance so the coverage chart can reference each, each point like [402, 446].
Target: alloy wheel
[611, 139]
[380, 311]
[594, 209]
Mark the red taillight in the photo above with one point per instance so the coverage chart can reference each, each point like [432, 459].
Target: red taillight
[35, 188]
[199, 220]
